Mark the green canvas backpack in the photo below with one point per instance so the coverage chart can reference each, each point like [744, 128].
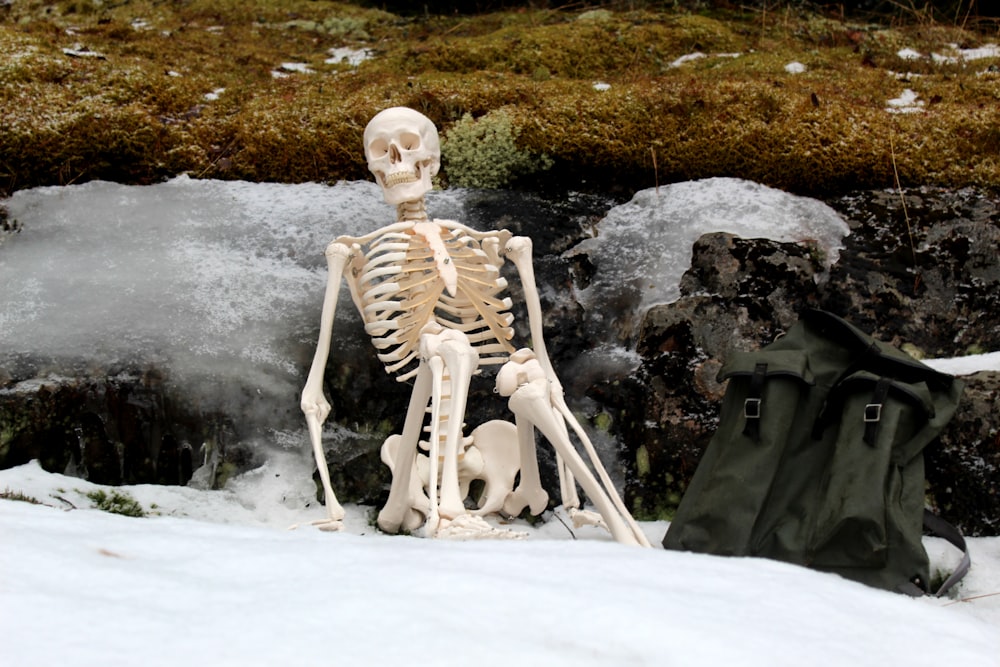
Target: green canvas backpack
[818, 459]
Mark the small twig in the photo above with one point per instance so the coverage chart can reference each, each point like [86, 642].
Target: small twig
[222, 153]
[61, 499]
[568, 529]
[906, 214]
[656, 171]
[971, 598]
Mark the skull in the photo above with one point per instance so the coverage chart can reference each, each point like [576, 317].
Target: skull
[403, 152]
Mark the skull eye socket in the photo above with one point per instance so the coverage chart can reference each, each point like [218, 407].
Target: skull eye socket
[409, 141]
[378, 148]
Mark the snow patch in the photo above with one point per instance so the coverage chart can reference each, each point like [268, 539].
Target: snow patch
[214, 574]
[690, 57]
[907, 102]
[352, 57]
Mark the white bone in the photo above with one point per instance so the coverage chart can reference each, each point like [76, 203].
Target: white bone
[417, 500]
[495, 445]
[403, 153]
[392, 514]
[433, 301]
[436, 364]
[313, 403]
[532, 402]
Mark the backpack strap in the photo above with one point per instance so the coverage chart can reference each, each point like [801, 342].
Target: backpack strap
[873, 410]
[943, 529]
[752, 404]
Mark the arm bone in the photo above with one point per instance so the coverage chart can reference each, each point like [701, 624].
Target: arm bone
[314, 405]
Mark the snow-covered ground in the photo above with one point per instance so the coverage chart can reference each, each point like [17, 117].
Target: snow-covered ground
[215, 578]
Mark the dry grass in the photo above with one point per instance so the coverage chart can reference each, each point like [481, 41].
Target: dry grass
[138, 111]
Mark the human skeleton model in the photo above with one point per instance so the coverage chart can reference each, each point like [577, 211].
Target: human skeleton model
[431, 297]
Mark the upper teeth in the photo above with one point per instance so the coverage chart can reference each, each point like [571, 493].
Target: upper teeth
[399, 177]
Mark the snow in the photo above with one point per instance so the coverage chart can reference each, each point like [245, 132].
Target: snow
[216, 579]
[907, 102]
[958, 54]
[698, 55]
[352, 57]
[80, 51]
[686, 58]
[302, 68]
[962, 55]
[966, 365]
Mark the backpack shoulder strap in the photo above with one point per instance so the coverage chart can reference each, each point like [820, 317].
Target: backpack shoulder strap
[943, 529]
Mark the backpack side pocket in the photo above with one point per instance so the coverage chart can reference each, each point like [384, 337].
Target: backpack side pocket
[733, 480]
[865, 419]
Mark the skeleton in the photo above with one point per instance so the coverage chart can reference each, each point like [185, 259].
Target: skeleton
[432, 299]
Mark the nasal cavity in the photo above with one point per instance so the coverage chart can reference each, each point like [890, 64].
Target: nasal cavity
[393, 153]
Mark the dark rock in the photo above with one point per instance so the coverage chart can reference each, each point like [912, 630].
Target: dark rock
[740, 294]
[963, 469]
[924, 277]
[115, 428]
[944, 297]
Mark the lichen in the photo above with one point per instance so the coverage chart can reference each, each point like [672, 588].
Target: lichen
[483, 153]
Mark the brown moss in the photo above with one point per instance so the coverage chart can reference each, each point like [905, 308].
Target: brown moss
[139, 111]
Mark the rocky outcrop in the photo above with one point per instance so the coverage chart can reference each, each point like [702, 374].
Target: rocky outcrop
[920, 272]
[116, 428]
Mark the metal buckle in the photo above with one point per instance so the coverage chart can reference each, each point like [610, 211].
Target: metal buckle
[751, 408]
[873, 412]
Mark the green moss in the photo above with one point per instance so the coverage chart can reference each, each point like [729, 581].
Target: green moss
[116, 502]
[8, 494]
[602, 422]
[642, 466]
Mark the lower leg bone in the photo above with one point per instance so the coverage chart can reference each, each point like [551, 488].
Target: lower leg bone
[532, 403]
[529, 492]
[461, 360]
[418, 502]
[397, 506]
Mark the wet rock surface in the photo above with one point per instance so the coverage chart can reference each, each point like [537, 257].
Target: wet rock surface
[920, 272]
[118, 428]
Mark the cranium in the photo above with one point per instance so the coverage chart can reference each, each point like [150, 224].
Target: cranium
[403, 152]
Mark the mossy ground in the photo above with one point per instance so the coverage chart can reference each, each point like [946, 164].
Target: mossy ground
[136, 91]
[116, 502]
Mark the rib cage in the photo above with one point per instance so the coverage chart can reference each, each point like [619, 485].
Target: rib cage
[399, 287]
